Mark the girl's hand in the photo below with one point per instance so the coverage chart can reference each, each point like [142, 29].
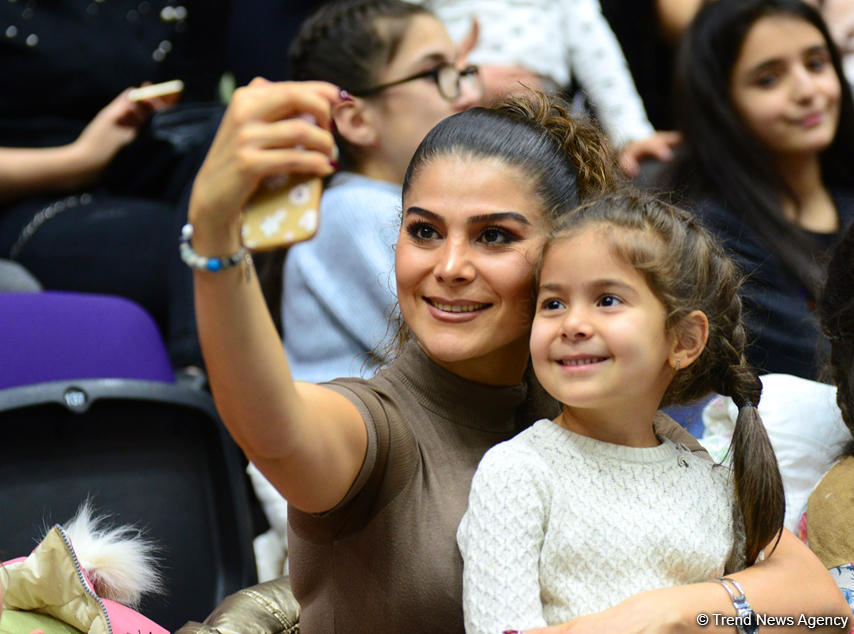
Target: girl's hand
[259, 136]
[659, 146]
[116, 125]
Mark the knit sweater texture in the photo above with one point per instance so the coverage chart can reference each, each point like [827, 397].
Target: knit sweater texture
[560, 525]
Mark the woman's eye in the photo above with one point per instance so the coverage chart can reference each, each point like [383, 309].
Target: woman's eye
[496, 235]
[422, 231]
[606, 301]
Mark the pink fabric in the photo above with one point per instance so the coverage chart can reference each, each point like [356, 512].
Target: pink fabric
[126, 621]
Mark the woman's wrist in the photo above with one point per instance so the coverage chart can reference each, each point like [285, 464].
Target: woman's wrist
[213, 236]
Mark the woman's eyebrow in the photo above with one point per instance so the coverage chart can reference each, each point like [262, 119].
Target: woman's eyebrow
[422, 212]
[496, 217]
[473, 220]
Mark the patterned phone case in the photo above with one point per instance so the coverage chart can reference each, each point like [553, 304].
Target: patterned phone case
[282, 212]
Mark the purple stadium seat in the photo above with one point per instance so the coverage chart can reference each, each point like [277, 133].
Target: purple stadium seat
[52, 336]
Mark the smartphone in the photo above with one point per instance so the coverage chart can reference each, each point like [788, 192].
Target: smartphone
[284, 210]
[152, 91]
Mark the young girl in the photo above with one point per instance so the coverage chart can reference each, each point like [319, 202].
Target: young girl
[768, 123]
[637, 307]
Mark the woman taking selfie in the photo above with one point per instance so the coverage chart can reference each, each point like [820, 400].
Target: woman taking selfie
[377, 471]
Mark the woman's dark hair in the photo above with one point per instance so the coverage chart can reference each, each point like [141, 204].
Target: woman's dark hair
[721, 156]
[836, 310]
[564, 159]
[687, 270]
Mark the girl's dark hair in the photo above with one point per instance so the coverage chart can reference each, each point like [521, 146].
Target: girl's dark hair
[836, 310]
[349, 43]
[721, 157]
[688, 270]
[566, 160]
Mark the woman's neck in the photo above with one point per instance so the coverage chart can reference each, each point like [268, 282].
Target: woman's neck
[813, 208]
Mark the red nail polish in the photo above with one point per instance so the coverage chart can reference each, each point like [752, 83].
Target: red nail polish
[511, 632]
[334, 164]
[344, 95]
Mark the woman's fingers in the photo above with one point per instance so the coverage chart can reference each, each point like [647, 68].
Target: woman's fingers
[296, 133]
[272, 101]
[261, 135]
[271, 162]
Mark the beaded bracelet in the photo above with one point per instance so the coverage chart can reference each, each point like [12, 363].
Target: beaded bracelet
[746, 618]
[202, 263]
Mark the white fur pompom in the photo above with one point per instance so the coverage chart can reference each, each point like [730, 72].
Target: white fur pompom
[119, 561]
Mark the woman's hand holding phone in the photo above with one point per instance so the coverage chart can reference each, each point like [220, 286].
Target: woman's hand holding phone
[262, 136]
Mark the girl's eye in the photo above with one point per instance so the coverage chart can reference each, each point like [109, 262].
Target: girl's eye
[606, 301]
[422, 232]
[552, 304]
[497, 235]
[766, 80]
[817, 63]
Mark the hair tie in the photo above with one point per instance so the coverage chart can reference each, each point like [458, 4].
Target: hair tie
[748, 404]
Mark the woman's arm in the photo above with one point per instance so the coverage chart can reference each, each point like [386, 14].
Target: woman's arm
[26, 171]
[791, 582]
[309, 441]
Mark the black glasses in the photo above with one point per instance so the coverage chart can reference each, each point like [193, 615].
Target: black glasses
[447, 77]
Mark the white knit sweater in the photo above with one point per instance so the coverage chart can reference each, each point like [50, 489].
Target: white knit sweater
[560, 525]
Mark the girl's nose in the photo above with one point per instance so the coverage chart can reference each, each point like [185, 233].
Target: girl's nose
[576, 325]
[803, 84]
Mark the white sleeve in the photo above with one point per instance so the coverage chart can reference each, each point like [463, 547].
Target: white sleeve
[597, 61]
[500, 538]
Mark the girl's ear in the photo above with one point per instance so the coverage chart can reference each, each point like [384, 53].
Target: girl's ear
[692, 333]
[354, 122]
